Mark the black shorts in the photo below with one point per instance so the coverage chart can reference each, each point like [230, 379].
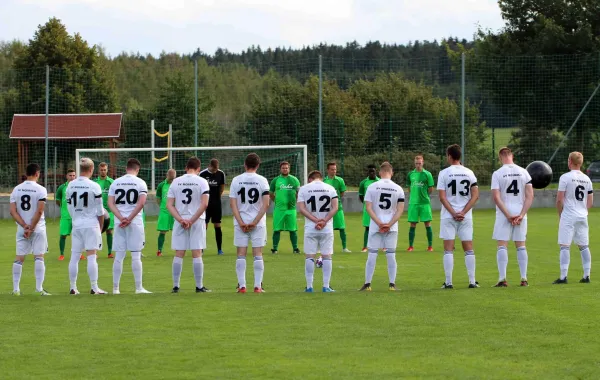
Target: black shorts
[213, 213]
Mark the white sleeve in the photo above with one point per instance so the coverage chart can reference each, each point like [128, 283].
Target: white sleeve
[441, 182]
[562, 184]
[13, 197]
[301, 196]
[401, 195]
[204, 188]
[143, 187]
[171, 192]
[43, 195]
[527, 177]
[495, 182]
[111, 190]
[369, 195]
[265, 187]
[333, 193]
[473, 179]
[232, 189]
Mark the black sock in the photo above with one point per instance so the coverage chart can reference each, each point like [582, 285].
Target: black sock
[219, 236]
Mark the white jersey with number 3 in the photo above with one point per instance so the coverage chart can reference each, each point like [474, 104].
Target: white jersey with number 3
[127, 190]
[576, 186]
[317, 197]
[457, 181]
[84, 199]
[510, 180]
[188, 191]
[248, 190]
[384, 196]
[26, 197]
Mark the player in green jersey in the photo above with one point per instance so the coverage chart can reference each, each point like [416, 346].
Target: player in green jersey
[165, 219]
[419, 183]
[105, 181]
[339, 221]
[284, 191]
[362, 190]
[60, 197]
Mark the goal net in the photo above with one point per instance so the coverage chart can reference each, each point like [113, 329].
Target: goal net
[157, 161]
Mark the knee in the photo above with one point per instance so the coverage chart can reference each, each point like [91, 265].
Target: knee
[217, 225]
[583, 247]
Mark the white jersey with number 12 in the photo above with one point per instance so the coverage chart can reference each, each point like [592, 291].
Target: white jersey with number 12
[317, 197]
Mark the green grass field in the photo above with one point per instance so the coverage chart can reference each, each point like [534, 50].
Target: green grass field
[544, 331]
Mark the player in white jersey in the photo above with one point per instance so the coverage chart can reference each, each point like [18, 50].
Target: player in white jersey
[575, 196]
[84, 198]
[318, 202]
[126, 199]
[458, 192]
[27, 202]
[513, 195]
[385, 204]
[249, 201]
[187, 202]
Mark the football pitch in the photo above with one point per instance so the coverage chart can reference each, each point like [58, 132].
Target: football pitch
[543, 331]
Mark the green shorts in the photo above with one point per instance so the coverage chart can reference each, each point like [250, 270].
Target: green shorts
[284, 220]
[339, 222]
[419, 213]
[366, 219]
[165, 221]
[66, 226]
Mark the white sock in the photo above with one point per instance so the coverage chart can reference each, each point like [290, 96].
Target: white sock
[370, 267]
[502, 259]
[470, 264]
[240, 270]
[118, 269]
[74, 269]
[448, 266]
[522, 258]
[390, 255]
[136, 268]
[92, 268]
[586, 260]
[327, 269]
[40, 273]
[198, 265]
[177, 268]
[309, 272]
[565, 260]
[259, 270]
[17, 271]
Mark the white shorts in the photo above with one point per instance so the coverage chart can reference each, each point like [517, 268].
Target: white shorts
[378, 240]
[193, 238]
[450, 229]
[258, 237]
[86, 239]
[505, 231]
[314, 243]
[573, 231]
[37, 244]
[131, 238]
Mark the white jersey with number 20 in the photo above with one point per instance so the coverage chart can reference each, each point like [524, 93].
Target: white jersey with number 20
[457, 181]
[127, 190]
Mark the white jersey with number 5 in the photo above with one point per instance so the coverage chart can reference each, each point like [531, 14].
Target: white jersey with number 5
[26, 197]
[317, 197]
[576, 186]
[248, 190]
[510, 180]
[384, 196]
[457, 181]
[127, 190]
[187, 191]
[84, 199]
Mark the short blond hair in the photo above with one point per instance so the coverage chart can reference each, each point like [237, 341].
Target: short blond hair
[386, 167]
[86, 165]
[576, 158]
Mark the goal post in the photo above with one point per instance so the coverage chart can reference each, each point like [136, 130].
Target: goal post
[231, 160]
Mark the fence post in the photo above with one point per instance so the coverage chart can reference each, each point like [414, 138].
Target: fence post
[170, 145]
[321, 150]
[55, 167]
[391, 141]
[152, 180]
[46, 127]
[462, 110]
[493, 147]
[343, 144]
[196, 103]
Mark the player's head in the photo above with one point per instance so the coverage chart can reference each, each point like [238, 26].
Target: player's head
[331, 169]
[372, 171]
[70, 175]
[193, 165]
[419, 162]
[386, 171]
[213, 165]
[171, 174]
[284, 168]
[133, 166]
[103, 170]
[575, 160]
[32, 172]
[505, 155]
[315, 175]
[86, 167]
[252, 162]
[453, 154]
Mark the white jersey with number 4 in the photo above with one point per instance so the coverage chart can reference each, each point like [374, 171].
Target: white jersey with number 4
[511, 180]
[384, 196]
[188, 191]
[457, 181]
[248, 190]
[26, 197]
[576, 186]
[127, 190]
[317, 197]
[84, 200]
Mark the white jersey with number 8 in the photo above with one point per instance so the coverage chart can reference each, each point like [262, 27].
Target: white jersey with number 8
[248, 190]
[187, 191]
[457, 181]
[26, 197]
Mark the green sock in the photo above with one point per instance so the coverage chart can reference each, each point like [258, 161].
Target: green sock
[366, 237]
[429, 235]
[161, 241]
[62, 243]
[411, 236]
[276, 237]
[343, 237]
[294, 239]
[109, 242]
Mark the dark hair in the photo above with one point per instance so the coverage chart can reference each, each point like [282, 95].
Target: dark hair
[283, 163]
[332, 163]
[454, 151]
[23, 178]
[252, 161]
[32, 169]
[214, 163]
[193, 163]
[70, 171]
[371, 166]
[315, 174]
[133, 163]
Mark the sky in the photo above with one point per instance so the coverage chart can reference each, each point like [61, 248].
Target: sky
[182, 26]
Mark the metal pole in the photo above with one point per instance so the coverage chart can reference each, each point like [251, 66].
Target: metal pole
[55, 167]
[46, 126]
[321, 150]
[462, 110]
[196, 102]
[493, 147]
[152, 172]
[170, 146]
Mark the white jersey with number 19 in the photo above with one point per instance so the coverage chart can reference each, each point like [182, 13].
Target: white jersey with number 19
[510, 180]
[248, 190]
[317, 197]
[84, 199]
[127, 190]
[26, 197]
[188, 191]
[576, 186]
[384, 195]
[457, 181]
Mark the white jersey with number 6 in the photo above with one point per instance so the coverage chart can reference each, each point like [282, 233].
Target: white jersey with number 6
[457, 181]
[127, 190]
[576, 186]
[510, 180]
[84, 199]
[317, 197]
[248, 190]
[187, 191]
[26, 197]
[384, 195]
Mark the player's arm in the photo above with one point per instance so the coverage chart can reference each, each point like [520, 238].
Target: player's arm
[361, 192]
[590, 199]
[399, 211]
[305, 212]
[528, 200]
[159, 194]
[234, 207]
[342, 188]
[272, 189]
[58, 195]
[263, 209]
[371, 212]
[99, 206]
[560, 198]
[222, 186]
[430, 183]
[15, 214]
[41, 205]
[203, 205]
[173, 210]
[497, 197]
[473, 200]
[445, 203]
